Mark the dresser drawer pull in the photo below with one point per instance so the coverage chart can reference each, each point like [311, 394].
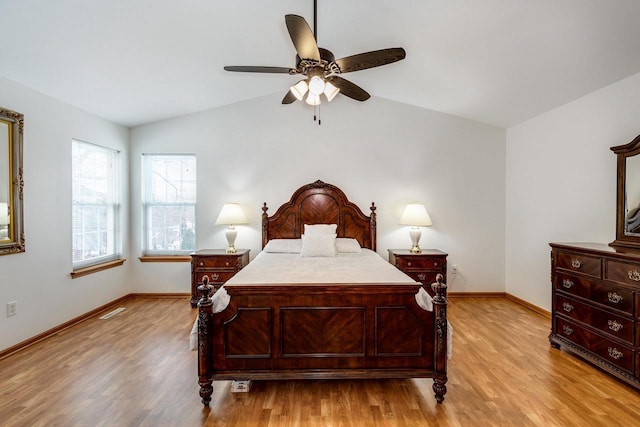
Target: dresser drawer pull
[567, 307]
[614, 297]
[615, 353]
[566, 283]
[567, 330]
[614, 325]
[634, 275]
[422, 277]
[215, 276]
[576, 263]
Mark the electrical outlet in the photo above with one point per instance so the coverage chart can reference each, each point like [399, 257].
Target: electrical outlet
[11, 308]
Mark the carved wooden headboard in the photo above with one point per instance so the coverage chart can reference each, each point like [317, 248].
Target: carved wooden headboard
[319, 203]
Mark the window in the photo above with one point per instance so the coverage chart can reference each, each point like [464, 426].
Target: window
[169, 203]
[96, 204]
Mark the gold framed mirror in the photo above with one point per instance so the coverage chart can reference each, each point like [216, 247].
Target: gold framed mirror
[628, 197]
[11, 182]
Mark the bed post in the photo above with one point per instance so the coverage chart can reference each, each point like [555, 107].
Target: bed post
[440, 349]
[265, 224]
[373, 225]
[205, 313]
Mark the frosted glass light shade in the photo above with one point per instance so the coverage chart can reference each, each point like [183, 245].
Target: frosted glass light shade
[330, 91]
[316, 85]
[299, 89]
[415, 214]
[313, 99]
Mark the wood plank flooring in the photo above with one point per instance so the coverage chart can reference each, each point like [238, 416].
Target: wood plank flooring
[135, 369]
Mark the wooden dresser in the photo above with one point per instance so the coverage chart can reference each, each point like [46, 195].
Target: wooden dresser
[422, 267]
[218, 265]
[596, 306]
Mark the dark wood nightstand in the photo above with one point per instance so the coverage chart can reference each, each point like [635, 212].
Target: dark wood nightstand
[422, 267]
[218, 265]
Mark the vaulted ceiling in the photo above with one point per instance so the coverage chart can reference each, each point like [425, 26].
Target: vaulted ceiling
[499, 62]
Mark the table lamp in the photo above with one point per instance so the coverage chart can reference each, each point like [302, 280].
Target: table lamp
[415, 215]
[231, 214]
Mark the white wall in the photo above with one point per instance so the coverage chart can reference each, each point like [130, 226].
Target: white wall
[561, 182]
[381, 151]
[39, 279]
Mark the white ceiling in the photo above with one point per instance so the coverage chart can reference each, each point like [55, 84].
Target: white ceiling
[495, 61]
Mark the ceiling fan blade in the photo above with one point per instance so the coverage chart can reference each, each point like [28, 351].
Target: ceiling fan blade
[302, 37]
[375, 58]
[251, 69]
[349, 89]
[289, 98]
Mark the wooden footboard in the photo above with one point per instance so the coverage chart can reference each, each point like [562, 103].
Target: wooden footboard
[315, 331]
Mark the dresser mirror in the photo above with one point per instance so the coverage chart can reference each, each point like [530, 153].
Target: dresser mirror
[628, 197]
[11, 182]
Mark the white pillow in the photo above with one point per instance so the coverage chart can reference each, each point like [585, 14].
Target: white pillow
[320, 228]
[344, 245]
[284, 246]
[318, 245]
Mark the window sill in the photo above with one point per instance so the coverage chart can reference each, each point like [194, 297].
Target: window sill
[165, 258]
[95, 268]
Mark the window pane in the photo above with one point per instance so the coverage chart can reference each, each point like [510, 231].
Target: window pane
[169, 203]
[95, 203]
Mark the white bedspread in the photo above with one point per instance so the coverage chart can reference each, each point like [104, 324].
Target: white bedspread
[283, 268]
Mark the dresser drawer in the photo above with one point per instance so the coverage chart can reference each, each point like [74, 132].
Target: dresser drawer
[219, 262]
[616, 354]
[585, 264]
[572, 308]
[614, 325]
[621, 299]
[573, 285]
[215, 277]
[572, 332]
[622, 272]
[418, 263]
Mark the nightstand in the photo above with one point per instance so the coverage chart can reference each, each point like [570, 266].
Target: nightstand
[422, 267]
[218, 265]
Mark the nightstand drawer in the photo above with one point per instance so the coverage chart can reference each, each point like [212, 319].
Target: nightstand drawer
[424, 277]
[219, 262]
[418, 263]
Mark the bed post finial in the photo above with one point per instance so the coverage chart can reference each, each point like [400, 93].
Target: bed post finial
[373, 225]
[265, 223]
[205, 313]
[440, 349]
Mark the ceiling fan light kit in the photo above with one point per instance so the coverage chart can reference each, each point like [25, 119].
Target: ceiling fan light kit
[320, 68]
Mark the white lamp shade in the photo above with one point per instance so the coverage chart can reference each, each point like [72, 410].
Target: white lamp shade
[316, 85]
[231, 213]
[313, 99]
[4, 213]
[415, 214]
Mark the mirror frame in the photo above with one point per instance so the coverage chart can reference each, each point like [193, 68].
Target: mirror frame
[16, 213]
[624, 242]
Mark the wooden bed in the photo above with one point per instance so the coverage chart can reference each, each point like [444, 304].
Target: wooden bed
[322, 331]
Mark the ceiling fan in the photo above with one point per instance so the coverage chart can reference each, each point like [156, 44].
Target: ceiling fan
[319, 67]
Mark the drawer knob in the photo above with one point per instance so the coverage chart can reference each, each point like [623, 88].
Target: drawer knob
[422, 276]
[567, 330]
[634, 275]
[201, 264]
[614, 325]
[227, 263]
[615, 353]
[409, 263]
[567, 307]
[568, 284]
[215, 276]
[576, 263]
[614, 297]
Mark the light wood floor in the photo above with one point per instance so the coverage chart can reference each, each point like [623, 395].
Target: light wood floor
[135, 369]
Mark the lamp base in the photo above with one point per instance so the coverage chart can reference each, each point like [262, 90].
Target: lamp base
[231, 234]
[415, 233]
